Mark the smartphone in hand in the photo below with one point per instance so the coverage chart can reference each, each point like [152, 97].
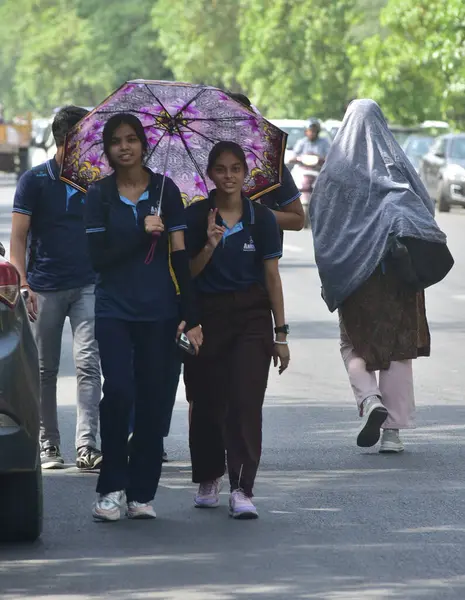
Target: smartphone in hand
[184, 343]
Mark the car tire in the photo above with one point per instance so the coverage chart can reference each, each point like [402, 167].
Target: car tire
[443, 205]
[21, 504]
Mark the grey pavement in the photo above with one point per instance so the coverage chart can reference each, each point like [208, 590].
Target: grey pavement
[337, 523]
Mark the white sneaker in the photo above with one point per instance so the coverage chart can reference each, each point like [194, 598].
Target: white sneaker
[391, 442]
[208, 495]
[109, 507]
[140, 510]
[375, 414]
[241, 506]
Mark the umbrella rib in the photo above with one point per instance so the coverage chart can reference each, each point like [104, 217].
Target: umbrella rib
[155, 146]
[198, 133]
[189, 153]
[259, 159]
[133, 110]
[215, 119]
[193, 99]
[157, 99]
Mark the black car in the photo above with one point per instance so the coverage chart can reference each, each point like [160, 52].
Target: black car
[20, 472]
[442, 170]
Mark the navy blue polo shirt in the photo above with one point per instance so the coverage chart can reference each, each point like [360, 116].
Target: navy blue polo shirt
[135, 289]
[59, 256]
[238, 260]
[284, 195]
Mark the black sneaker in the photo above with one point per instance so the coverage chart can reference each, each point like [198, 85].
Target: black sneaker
[50, 458]
[88, 458]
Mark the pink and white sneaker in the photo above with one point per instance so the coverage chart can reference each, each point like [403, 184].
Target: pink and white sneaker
[241, 506]
[109, 507]
[140, 510]
[208, 495]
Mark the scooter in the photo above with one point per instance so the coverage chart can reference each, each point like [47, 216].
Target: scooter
[306, 170]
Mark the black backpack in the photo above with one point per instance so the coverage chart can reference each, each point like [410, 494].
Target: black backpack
[419, 263]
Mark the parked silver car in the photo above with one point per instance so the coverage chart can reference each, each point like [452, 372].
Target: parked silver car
[20, 472]
[442, 170]
[416, 146]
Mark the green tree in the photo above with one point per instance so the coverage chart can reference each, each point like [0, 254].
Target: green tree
[124, 37]
[50, 52]
[295, 55]
[55, 52]
[368, 22]
[417, 71]
[200, 39]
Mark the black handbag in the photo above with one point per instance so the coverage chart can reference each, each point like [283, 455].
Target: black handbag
[419, 263]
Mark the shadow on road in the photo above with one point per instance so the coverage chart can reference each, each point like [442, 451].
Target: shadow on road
[326, 509]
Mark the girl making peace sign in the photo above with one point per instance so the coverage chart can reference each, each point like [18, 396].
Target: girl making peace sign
[234, 247]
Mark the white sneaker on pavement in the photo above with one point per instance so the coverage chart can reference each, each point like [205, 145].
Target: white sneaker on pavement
[241, 506]
[375, 414]
[208, 495]
[140, 510]
[391, 442]
[109, 507]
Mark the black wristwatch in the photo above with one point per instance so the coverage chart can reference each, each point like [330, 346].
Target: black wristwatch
[283, 329]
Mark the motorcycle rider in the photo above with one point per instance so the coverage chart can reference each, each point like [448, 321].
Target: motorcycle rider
[312, 143]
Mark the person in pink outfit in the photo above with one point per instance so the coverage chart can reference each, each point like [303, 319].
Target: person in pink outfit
[377, 247]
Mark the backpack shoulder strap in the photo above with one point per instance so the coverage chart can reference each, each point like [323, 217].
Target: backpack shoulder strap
[257, 225]
[107, 187]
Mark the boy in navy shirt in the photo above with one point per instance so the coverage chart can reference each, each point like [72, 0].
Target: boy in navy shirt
[285, 200]
[57, 281]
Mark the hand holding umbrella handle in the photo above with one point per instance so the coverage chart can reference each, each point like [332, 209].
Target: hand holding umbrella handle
[153, 224]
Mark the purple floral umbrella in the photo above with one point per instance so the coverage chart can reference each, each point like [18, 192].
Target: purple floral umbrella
[182, 123]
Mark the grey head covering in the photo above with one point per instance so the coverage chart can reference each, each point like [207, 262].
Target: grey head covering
[366, 192]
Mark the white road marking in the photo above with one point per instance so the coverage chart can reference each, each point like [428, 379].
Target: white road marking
[288, 248]
[459, 297]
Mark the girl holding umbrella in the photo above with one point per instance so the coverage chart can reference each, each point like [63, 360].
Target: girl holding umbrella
[137, 314]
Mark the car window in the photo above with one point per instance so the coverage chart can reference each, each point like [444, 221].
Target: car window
[457, 148]
[400, 137]
[418, 146]
[439, 147]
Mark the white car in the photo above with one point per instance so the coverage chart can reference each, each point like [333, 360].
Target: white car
[332, 126]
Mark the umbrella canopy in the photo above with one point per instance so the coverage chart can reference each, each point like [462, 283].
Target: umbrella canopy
[182, 123]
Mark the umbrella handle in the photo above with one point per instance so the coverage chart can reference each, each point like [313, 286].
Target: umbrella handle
[156, 235]
[153, 245]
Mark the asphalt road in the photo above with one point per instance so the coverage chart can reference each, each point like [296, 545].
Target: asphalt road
[337, 523]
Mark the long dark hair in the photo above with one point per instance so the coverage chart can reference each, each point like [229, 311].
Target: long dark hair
[221, 147]
[112, 125]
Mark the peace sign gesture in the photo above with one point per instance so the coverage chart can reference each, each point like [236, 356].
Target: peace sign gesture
[215, 232]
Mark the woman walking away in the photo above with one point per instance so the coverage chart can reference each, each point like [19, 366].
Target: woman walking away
[377, 246]
[137, 315]
[235, 247]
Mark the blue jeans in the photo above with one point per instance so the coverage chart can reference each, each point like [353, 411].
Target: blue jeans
[137, 359]
[78, 305]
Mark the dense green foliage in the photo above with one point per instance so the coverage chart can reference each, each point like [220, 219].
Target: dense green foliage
[294, 58]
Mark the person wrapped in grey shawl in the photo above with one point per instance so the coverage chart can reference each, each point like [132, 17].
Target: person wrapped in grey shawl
[366, 194]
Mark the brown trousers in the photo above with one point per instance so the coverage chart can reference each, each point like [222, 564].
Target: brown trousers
[226, 384]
